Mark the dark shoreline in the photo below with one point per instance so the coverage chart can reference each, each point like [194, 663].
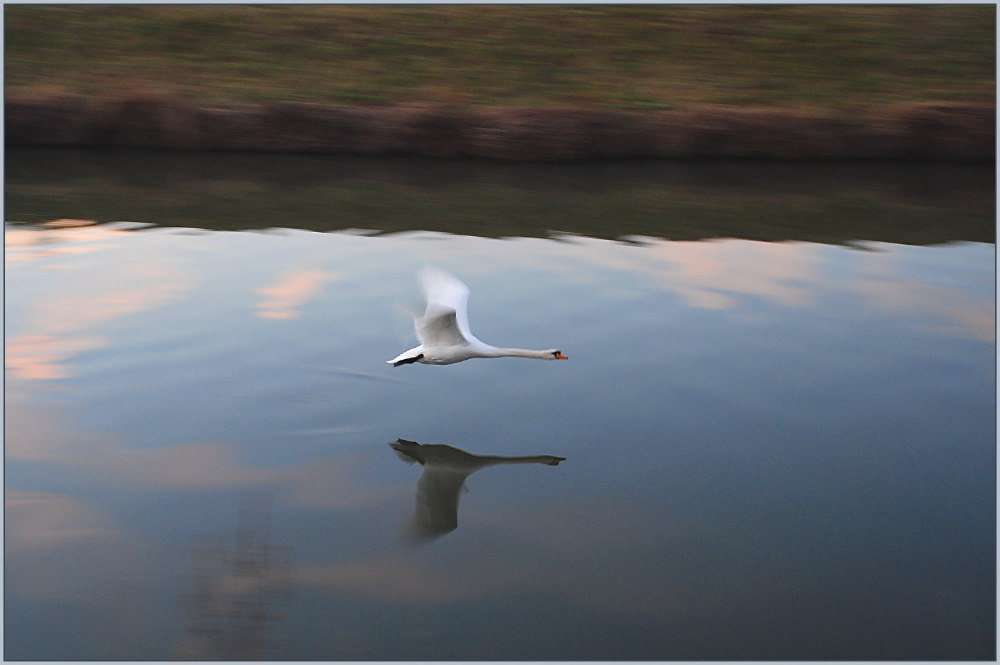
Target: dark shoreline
[929, 131]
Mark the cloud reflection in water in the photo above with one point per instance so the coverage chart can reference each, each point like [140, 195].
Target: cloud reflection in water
[148, 386]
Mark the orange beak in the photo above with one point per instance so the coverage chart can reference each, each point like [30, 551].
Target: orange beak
[561, 356]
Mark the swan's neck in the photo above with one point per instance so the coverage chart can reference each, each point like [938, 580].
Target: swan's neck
[497, 352]
[490, 460]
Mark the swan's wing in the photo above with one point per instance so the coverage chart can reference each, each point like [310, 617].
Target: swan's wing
[439, 327]
[445, 292]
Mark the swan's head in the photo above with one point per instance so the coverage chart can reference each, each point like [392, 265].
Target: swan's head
[556, 354]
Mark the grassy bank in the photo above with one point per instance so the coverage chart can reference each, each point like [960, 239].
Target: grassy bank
[642, 57]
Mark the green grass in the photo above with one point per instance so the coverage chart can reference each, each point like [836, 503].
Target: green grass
[644, 56]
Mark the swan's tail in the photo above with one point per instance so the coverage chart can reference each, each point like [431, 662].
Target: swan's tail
[408, 451]
[405, 358]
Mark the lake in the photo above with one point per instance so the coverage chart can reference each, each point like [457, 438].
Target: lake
[778, 412]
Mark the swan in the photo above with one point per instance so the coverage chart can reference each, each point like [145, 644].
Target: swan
[443, 330]
[444, 472]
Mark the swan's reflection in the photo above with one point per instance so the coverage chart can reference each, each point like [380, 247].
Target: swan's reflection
[443, 477]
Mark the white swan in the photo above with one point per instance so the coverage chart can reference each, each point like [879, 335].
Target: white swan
[443, 478]
[443, 330]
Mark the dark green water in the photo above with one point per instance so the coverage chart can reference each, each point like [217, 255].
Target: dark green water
[901, 203]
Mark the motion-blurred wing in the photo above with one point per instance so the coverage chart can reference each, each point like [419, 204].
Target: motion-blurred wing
[439, 326]
[445, 292]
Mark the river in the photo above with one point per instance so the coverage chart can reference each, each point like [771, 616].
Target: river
[777, 413]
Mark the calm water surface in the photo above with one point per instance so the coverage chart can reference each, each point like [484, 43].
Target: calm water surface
[774, 450]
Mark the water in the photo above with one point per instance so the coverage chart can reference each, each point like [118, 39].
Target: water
[774, 450]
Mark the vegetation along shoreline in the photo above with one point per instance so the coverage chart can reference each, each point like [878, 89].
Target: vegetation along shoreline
[925, 131]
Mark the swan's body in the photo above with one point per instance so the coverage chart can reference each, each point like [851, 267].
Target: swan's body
[442, 480]
[443, 330]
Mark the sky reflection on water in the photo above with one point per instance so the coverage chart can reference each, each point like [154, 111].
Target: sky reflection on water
[773, 450]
